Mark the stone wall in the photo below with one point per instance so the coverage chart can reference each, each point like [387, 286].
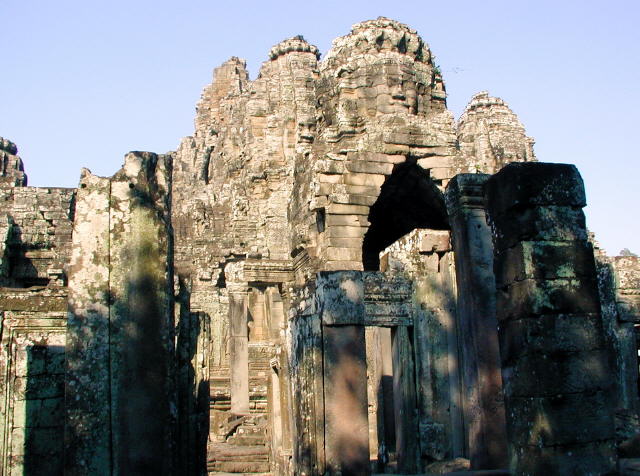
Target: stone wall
[36, 237]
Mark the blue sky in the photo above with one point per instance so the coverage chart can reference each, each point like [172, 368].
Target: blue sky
[83, 82]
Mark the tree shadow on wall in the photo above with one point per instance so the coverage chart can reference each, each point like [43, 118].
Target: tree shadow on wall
[346, 417]
[146, 400]
[560, 373]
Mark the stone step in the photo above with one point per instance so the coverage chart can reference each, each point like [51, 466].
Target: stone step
[242, 459]
[224, 473]
[227, 452]
[234, 459]
[236, 467]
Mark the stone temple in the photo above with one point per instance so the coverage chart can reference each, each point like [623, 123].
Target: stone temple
[332, 276]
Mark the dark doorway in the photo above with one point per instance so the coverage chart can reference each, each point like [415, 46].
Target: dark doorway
[408, 199]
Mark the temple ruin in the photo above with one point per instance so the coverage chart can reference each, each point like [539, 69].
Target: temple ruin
[331, 276]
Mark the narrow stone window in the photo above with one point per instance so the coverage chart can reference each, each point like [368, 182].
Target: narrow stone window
[320, 219]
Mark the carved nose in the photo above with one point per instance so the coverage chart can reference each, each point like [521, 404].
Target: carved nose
[397, 92]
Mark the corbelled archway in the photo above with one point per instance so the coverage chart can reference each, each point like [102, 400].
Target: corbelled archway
[408, 199]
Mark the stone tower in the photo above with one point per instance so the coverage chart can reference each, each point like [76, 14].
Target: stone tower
[325, 278]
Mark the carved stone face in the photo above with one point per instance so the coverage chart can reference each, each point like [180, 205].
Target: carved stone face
[306, 130]
[397, 95]
[377, 89]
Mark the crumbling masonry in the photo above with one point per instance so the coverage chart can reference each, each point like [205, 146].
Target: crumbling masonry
[331, 276]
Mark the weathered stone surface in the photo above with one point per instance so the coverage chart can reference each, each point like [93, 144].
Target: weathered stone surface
[490, 136]
[341, 298]
[550, 334]
[476, 321]
[11, 168]
[88, 411]
[531, 297]
[119, 370]
[627, 286]
[438, 390]
[546, 260]
[345, 400]
[555, 366]
[32, 392]
[556, 185]
[307, 205]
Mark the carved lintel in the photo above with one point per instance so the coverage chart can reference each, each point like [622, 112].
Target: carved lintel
[268, 271]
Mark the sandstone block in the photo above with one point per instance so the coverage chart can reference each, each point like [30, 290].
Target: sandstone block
[346, 220]
[591, 458]
[331, 265]
[550, 334]
[562, 419]
[361, 179]
[521, 184]
[346, 231]
[548, 223]
[354, 243]
[369, 167]
[330, 178]
[441, 173]
[352, 199]
[375, 157]
[344, 209]
[549, 374]
[340, 296]
[545, 260]
[532, 297]
[435, 241]
[344, 254]
[435, 161]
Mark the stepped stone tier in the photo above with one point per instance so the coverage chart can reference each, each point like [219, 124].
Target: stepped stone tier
[331, 276]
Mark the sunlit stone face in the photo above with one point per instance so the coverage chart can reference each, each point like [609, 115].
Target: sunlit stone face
[397, 95]
[377, 89]
[306, 129]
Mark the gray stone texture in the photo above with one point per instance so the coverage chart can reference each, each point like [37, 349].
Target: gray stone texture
[555, 366]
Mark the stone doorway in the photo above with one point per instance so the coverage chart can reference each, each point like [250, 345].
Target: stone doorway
[370, 396]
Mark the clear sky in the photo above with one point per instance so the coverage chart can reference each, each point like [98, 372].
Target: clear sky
[82, 82]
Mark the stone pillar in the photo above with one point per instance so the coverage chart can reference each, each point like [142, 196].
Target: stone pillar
[627, 297]
[87, 403]
[141, 315]
[238, 338]
[619, 328]
[478, 328]
[345, 400]
[121, 323]
[404, 402]
[340, 299]
[555, 367]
